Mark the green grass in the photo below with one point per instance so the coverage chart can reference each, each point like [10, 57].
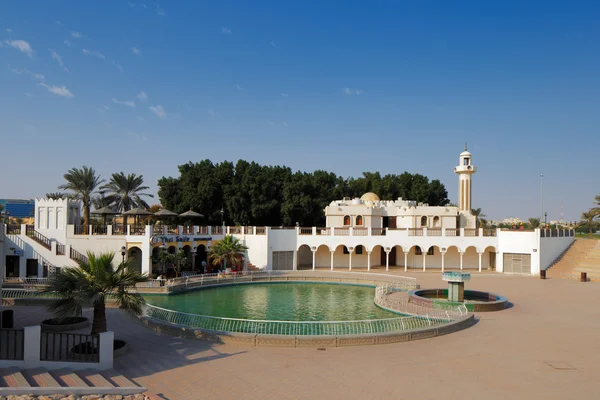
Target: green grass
[586, 236]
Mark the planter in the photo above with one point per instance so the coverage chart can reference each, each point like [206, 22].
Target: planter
[64, 324]
[82, 349]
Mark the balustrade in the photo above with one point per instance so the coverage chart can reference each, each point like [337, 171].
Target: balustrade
[56, 346]
[360, 232]
[261, 230]
[306, 231]
[452, 232]
[470, 232]
[378, 231]
[415, 231]
[434, 231]
[341, 231]
[248, 230]
[13, 229]
[99, 230]
[119, 229]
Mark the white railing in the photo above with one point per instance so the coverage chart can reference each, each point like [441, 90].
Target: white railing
[25, 281]
[384, 298]
[399, 282]
[294, 328]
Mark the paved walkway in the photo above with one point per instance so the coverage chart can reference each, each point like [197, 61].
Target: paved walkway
[545, 347]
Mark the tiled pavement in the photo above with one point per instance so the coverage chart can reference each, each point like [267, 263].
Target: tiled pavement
[506, 354]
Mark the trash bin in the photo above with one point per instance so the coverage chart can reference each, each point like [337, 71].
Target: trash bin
[8, 319]
[543, 274]
[583, 277]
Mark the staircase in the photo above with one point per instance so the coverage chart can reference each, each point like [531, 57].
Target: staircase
[252, 267]
[582, 256]
[39, 381]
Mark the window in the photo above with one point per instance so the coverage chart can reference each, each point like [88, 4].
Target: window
[359, 220]
[430, 251]
[359, 249]
[347, 220]
[418, 251]
[423, 221]
[466, 161]
[436, 222]
[346, 250]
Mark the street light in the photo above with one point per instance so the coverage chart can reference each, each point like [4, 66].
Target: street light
[542, 196]
[194, 250]
[222, 212]
[123, 252]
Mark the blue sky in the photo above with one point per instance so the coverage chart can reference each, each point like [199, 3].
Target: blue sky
[347, 87]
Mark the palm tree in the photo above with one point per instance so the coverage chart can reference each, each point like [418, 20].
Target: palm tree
[587, 218]
[125, 192]
[179, 260]
[82, 182]
[92, 281]
[56, 195]
[228, 251]
[479, 217]
[534, 222]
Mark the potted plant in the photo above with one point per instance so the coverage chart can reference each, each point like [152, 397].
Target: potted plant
[227, 252]
[94, 281]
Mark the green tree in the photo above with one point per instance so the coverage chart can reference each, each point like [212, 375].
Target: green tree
[534, 223]
[93, 281]
[83, 183]
[479, 217]
[179, 260]
[56, 195]
[587, 220]
[228, 252]
[126, 191]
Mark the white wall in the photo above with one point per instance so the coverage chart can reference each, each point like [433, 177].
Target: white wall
[551, 248]
[520, 242]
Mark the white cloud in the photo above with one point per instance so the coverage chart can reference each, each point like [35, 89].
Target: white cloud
[20, 45]
[270, 122]
[132, 5]
[284, 95]
[160, 11]
[142, 96]
[212, 112]
[106, 107]
[140, 118]
[127, 103]
[57, 57]
[58, 23]
[273, 44]
[94, 53]
[8, 30]
[143, 5]
[285, 124]
[28, 95]
[76, 35]
[226, 30]
[136, 51]
[67, 43]
[116, 64]
[58, 90]
[159, 111]
[350, 91]
[239, 87]
[23, 71]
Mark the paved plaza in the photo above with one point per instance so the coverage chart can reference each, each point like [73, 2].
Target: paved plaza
[546, 346]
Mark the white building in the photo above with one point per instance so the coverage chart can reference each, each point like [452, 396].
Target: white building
[359, 234]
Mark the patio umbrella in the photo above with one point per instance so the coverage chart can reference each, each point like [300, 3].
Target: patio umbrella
[104, 211]
[191, 214]
[136, 212]
[164, 214]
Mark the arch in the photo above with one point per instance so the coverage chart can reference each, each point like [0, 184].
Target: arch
[172, 249]
[424, 221]
[452, 258]
[488, 260]
[187, 249]
[304, 257]
[201, 256]
[359, 220]
[156, 267]
[134, 255]
[436, 222]
[347, 220]
[470, 258]
[415, 257]
[323, 257]
[434, 258]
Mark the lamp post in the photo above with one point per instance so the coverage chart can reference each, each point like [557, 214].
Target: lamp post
[194, 250]
[123, 252]
[222, 212]
[542, 196]
[162, 248]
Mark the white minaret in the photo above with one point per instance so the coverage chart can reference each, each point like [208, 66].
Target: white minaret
[464, 170]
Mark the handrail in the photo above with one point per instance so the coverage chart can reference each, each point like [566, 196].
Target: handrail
[38, 237]
[400, 282]
[77, 256]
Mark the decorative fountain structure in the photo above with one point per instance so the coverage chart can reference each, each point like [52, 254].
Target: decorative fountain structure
[475, 301]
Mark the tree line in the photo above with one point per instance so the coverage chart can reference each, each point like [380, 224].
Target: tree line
[248, 193]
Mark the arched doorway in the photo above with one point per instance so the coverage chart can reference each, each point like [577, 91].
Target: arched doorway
[452, 259]
[488, 260]
[471, 258]
[201, 257]
[304, 255]
[323, 257]
[134, 255]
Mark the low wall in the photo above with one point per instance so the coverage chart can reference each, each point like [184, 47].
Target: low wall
[429, 298]
[250, 339]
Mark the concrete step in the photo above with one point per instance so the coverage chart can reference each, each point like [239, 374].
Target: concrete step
[94, 378]
[13, 378]
[117, 379]
[68, 378]
[40, 377]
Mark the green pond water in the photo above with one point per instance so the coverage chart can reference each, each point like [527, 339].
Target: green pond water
[278, 301]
